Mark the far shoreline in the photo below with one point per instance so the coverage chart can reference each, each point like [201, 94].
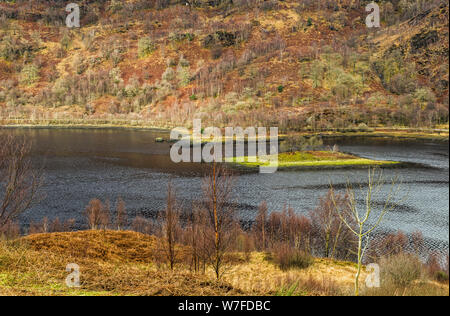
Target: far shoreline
[438, 135]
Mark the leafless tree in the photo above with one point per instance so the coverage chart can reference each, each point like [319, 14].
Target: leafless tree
[121, 215]
[370, 218]
[97, 214]
[331, 235]
[170, 227]
[260, 228]
[221, 216]
[143, 225]
[194, 238]
[19, 180]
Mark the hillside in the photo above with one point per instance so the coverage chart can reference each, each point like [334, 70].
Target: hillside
[299, 65]
[126, 263]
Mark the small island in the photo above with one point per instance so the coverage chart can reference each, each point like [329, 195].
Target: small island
[314, 160]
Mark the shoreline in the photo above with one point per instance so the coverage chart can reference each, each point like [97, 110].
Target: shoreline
[394, 165]
[314, 160]
[394, 133]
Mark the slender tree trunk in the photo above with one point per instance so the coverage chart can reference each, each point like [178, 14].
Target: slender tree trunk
[216, 224]
[338, 234]
[264, 233]
[358, 273]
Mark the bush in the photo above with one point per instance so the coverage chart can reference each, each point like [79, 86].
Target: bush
[424, 96]
[168, 75]
[401, 269]
[79, 64]
[14, 47]
[401, 84]
[29, 74]
[288, 258]
[363, 127]
[183, 76]
[441, 276]
[145, 47]
[115, 6]
[435, 270]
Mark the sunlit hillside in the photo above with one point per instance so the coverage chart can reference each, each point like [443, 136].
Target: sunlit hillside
[293, 64]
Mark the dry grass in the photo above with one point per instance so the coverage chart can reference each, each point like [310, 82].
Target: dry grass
[111, 263]
[419, 288]
[108, 246]
[262, 277]
[127, 263]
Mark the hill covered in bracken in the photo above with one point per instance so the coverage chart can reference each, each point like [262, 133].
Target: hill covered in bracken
[299, 65]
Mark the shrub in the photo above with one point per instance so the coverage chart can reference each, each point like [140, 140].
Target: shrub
[441, 276]
[115, 6]
[435, 270]
[401, 269]
[145, 47]
[183, 62]
[65, 41]
[14, 47]
[29, 74]
[79, 64]
[184, 76]
[288, 258]
[424, 96]
[401, 83]
[168, 75]
[363, 127]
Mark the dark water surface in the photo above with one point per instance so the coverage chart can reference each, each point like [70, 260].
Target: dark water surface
[108, 164]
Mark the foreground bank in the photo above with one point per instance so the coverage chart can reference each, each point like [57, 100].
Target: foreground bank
[128, 263]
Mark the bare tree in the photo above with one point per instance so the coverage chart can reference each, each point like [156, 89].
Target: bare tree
[97, 214]
[105, 218]
[261, 225]
[19, 180]
[143, 225]
[170, 218]
[221, 216]
[366, 222]
[121, 215]
[330, 233]
[194, 236]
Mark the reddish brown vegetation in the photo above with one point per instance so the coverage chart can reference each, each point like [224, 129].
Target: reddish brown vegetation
[19, 179]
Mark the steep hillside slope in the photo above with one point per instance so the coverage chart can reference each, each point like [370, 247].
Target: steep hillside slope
[294, 64]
